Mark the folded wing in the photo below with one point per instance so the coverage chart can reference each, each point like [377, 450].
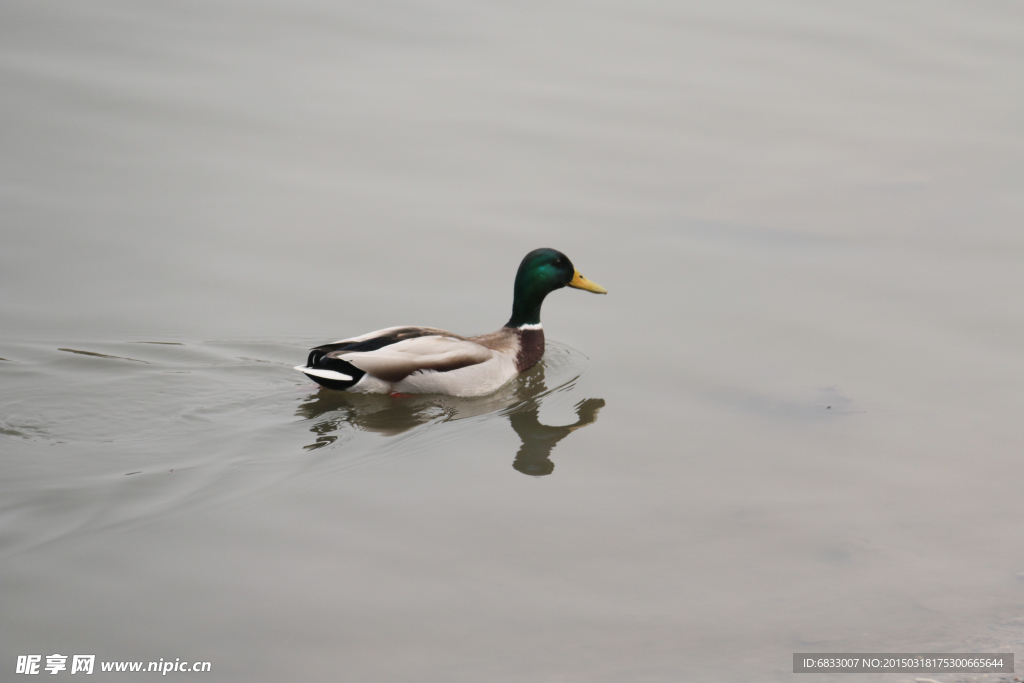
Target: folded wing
[395, 353]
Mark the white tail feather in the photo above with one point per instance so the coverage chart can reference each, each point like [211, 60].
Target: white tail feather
[326, 374]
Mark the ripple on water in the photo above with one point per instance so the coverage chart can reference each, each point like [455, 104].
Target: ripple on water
[154, 407]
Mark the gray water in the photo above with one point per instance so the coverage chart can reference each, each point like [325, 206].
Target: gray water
[794, 423]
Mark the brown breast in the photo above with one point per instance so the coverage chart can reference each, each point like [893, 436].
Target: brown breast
[531, 348]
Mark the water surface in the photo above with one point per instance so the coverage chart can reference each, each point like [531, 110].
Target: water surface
[792, 425]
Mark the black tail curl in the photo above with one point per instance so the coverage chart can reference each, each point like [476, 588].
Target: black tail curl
[319, 358]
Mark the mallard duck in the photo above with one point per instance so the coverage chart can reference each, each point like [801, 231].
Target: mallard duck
[426, 360]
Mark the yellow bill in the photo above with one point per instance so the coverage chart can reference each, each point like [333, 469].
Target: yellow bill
[580, 282]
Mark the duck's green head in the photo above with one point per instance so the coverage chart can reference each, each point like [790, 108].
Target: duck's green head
[542, 272]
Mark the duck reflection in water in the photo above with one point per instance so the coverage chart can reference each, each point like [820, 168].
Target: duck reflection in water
[534, 456]
[520, 402]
